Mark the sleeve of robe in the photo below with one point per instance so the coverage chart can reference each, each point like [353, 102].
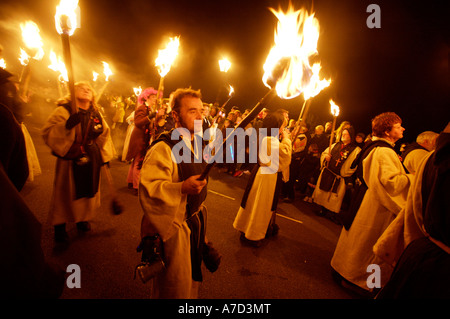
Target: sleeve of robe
[285, 152]
[271, 164]
[60, 139]
[55, 134]
[384, 173]
[160, 194]
[105, 143]
[346, 171]
[324, 153]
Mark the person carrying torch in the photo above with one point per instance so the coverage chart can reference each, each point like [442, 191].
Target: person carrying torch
[171, 195]
[80, 139]
[336, 172]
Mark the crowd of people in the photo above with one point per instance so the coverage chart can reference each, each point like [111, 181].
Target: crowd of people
[392, 206]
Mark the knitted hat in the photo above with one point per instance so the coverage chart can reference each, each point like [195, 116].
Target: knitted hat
[146, 94]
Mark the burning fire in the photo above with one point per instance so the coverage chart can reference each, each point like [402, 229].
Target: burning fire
[106, 70]
[24, 57]
[66, 19]
[58, 65]
[137, 91]
[94, 76]
[287, 67]
[2, 63]
[167, 56]
[32, 40]
[334, 108]
[231, 91]
[224, 65]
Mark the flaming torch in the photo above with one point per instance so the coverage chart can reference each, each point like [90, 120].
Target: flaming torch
[224, 65]
[66, 23]
[137, 91]
[164, 62]
[335, 113]
[107, 72]
[57, 65]
[230, 95]
[33, 44]
[2, 63]
[287, 71]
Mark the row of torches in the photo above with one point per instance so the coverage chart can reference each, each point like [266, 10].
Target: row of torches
[287, 69]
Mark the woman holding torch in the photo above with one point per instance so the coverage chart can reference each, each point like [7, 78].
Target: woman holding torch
[76, 193]
[336, 170]
[144, 125]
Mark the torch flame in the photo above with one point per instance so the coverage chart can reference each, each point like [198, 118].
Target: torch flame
[58, 65]
[334, 108]
[224, 65]
[167, 56]
[287, 66]
[2, 63]
[106, 70]
[137, 91]
[94, 76]
[32, 39]
[24, 57]
[66, 16]
[231, 91]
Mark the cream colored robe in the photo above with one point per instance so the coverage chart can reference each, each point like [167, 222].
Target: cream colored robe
[164, 209]
[254, 219]
[63, 207]
[408, 225]
[329, 200]
[388, 186]
[34, 168]
[413, 159]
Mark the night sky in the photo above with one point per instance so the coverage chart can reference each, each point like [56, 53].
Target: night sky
[401, 67]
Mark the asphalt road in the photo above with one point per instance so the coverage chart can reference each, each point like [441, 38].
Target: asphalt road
[293, 265]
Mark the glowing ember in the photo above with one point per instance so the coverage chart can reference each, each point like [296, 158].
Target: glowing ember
[66, 16]
[224, 65]
[167, 56]
[334, 108]
[287, 67]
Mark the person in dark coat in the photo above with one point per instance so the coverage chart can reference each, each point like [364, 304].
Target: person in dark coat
[24, 272]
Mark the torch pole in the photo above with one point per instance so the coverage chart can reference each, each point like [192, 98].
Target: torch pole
[68, 63]
[332, 134]
[226, 102]
[245, 121]
[301, 118]
[160, 91]
[25, 79]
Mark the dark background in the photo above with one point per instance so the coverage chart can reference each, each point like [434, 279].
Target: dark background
[401, 67]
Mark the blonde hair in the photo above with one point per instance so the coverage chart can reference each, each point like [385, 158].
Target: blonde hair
[429, 136]
[67, 98]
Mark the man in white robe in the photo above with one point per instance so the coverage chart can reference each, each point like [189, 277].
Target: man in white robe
[163, 195]
[388, 186]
